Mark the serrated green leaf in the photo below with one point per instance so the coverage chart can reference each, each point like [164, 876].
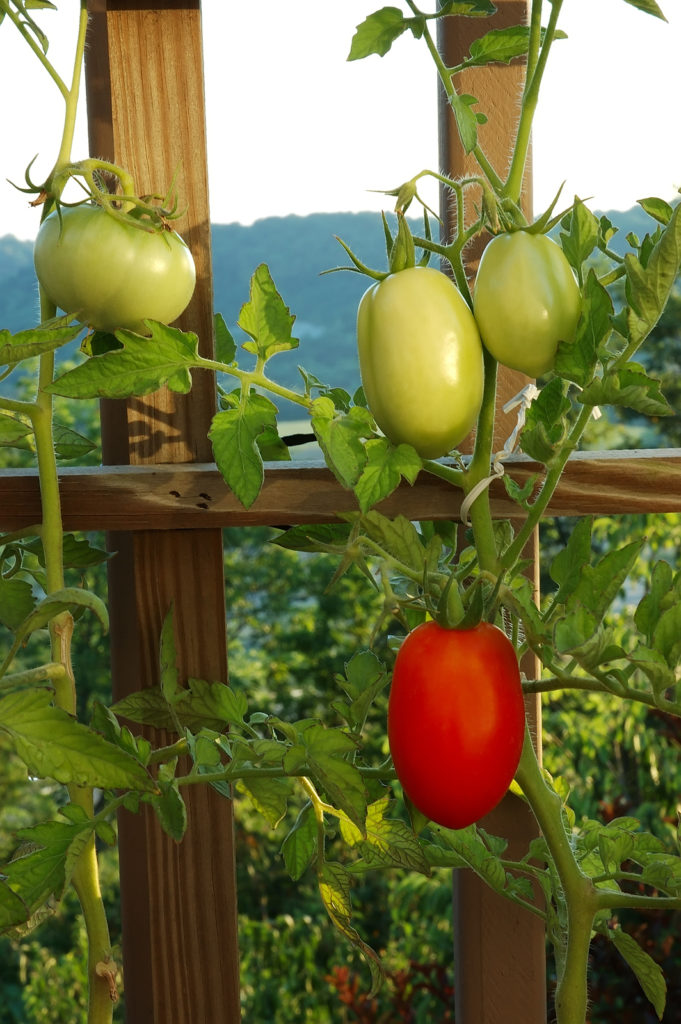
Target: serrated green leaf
[648, 973]
[313, 536]
[16, 602]
[234, 434]
[629, 386]
[13, 910]
[342, 783]
[648, 7]
[53, 848]
[648, 288]
[340, 437]
[300, 845]
[466, 120]
[142, 366]
[170, 809]
[600, 584]
[501, 45]
[269, 796]
[266, 318]
[398, 537]
[385, 467]
[52, 744]
[576, 360]
[225, 345]
[15, 348]
[660, 582]
[334, 889]
[69, 444]
[13, 432]
[467, 848]
[659, 209]
[667, 635]
[544, 427]
[574, 630]
[582, 238]
[386, 842]
[566, 567]
[377, 33]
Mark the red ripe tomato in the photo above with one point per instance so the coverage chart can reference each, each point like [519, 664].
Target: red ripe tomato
[456, 720]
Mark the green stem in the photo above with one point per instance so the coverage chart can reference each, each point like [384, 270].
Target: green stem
[24, 30]
[514, 181]
[480, 512]
[553, 476]
[252, 378]
[578, 891]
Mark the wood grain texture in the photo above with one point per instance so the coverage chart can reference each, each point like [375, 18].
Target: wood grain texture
[144, 77]
[195, 497]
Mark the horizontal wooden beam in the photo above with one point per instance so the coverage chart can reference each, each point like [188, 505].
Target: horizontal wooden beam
[194, 496]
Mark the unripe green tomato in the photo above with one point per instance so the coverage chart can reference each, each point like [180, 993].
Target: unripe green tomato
[526, 300]
[109, 274]
[420, 359]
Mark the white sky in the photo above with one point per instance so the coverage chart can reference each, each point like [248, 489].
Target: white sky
[308, 131]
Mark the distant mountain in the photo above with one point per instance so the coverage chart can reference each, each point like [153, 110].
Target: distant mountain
[297, 250]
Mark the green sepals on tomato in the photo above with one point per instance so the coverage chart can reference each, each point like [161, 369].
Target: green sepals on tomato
[420, 359]
[112, 274]
[526, 301]
[456, 720]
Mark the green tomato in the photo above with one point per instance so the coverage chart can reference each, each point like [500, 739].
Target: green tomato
[420, 360]
[112, 275]
[526, 300]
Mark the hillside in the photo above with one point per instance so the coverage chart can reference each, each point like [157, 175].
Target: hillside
[297, 250]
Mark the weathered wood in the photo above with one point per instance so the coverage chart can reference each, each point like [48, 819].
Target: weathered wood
[146, 113]
[195, 497]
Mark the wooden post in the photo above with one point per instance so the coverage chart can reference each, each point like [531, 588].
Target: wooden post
[499, 948]
[146, 113]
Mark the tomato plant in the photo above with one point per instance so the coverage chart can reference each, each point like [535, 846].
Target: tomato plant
[526, 301]
[456, 720]
[113, 272]
[420, 359]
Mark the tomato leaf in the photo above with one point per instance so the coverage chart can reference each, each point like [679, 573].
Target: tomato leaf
[300, 845]
[234, 434]
[142, 366]
[69, 444]
[544, 422]
[14, 348]
[13, 432]
[266, 318]
[466, 120]
[629, 386]
[385, 467]
[583, 235]
[660, 588]
[339, 436]
[501, 45]
[469, 8]
[225, 345]
[44, 870]
[577, 360]
[52, 744]
[269, 796]
[648, 7]
[649, 288]
[387, 842]
[170, 809]
[649, 973]
[380, 30]
[16, 602]
[13, 909]
[334, 889]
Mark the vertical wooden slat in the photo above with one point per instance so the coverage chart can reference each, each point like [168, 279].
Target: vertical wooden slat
[146, 113]
[499, 948]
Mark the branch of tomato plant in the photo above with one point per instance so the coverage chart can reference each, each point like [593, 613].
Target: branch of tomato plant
[577, 889]
[514, 181]
[22, 23]
[445, 75]
[256, 378]
[554, 472]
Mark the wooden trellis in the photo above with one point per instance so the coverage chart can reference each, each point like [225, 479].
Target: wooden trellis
[164, 505]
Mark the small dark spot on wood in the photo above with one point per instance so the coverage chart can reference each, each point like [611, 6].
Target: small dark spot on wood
[206, 496]
[176, 494]
[201, 504]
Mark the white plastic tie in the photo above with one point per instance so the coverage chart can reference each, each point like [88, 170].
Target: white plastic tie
[522, 402]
